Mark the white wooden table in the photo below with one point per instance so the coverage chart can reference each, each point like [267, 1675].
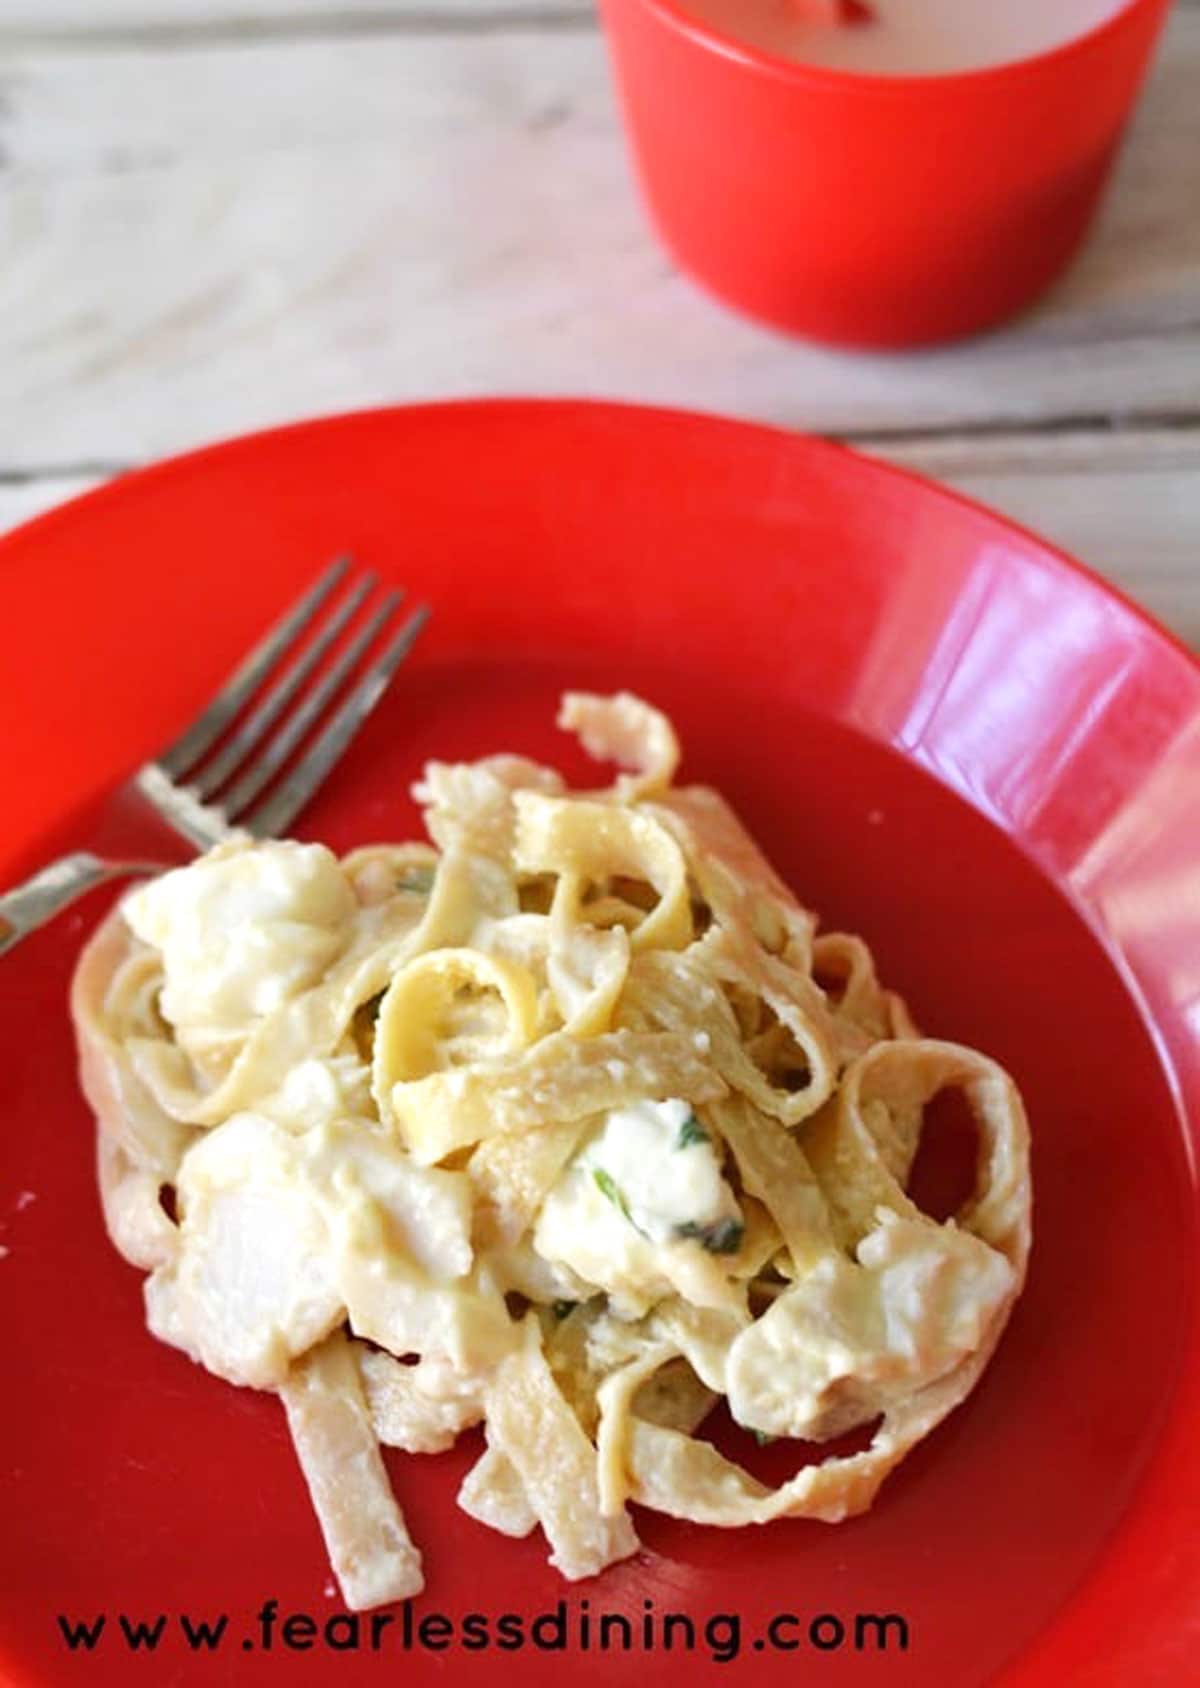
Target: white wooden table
[219, 214]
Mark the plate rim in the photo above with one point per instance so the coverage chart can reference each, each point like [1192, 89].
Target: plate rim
[129, 482]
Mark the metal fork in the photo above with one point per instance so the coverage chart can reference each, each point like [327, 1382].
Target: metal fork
[201, 795]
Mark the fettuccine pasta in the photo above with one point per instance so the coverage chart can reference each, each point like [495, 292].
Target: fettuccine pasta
[566, 1126]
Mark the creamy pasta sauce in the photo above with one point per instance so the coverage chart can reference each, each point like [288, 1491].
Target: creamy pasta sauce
[550, 1128]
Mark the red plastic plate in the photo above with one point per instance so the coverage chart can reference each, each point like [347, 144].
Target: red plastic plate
[950, 738]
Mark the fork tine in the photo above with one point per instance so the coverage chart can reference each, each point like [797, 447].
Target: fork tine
[276, 752]
[198, 738]
[232, 754]
[277, 813]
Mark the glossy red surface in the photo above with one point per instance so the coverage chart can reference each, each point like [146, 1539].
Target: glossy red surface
[949, 738]
[881, 211]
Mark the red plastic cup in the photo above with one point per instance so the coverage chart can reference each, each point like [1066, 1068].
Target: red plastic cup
[872, 210]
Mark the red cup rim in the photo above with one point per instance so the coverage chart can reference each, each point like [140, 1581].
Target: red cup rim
[675, 14]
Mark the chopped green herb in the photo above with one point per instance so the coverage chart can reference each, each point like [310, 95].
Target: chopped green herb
[418, 878]
[691, 1131]
[723, 1236]
[560, 1309]
[761, 1437]
[607, 1187]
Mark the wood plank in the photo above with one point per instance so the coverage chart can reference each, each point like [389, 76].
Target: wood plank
[206, 241]
[156, 19]
[1128, 505]
[97, 16]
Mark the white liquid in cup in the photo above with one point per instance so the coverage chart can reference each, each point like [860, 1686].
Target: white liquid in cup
[906, 37]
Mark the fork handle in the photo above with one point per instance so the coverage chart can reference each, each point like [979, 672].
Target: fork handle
[39, 899]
